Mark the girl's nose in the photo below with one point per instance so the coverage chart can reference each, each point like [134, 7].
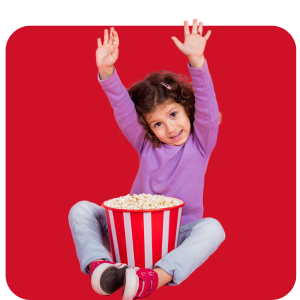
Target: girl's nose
[171, 128]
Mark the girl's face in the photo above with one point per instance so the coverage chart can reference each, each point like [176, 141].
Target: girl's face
[170, 123]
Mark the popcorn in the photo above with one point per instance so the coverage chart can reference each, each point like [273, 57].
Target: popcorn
[142, 202]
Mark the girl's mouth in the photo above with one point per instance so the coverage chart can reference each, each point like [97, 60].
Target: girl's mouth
[177, 136]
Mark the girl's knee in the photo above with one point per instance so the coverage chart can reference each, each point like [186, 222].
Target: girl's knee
[78, 209]
[216, 228]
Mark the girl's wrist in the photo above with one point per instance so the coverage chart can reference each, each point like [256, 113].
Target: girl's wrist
[197, 62]
[105, 72]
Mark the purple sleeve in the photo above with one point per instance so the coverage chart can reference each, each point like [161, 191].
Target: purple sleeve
[206, 124]
[124, 109]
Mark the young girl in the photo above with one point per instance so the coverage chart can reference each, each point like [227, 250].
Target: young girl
[173, 125]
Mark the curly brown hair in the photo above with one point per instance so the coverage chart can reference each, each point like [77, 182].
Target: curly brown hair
[149, 93]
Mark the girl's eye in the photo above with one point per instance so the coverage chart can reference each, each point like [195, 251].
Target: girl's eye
[157, 124]
[173, 114]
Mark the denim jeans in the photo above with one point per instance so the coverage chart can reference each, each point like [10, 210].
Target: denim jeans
[197, 241]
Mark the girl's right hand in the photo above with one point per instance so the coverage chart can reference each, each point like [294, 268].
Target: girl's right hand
[107, 54]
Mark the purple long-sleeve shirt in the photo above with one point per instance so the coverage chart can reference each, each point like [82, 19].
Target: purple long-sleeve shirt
[175, 171]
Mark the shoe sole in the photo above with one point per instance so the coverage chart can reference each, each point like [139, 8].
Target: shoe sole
[111, 279]
[130, 285]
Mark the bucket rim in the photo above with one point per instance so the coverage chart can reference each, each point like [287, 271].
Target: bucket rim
[145, 210]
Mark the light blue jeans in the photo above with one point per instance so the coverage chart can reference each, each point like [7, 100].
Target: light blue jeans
[197, 241]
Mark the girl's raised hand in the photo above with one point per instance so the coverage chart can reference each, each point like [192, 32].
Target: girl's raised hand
[107, 54]
[194, 43]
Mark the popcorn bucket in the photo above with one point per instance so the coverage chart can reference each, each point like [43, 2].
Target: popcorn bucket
[142, 237]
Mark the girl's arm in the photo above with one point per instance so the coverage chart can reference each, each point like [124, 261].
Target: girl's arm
[206, 107]
[206, 123]
[124, 109]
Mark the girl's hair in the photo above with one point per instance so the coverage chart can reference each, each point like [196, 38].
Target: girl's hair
[147, 94]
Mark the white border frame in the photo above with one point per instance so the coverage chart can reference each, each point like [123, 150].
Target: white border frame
[18, 13]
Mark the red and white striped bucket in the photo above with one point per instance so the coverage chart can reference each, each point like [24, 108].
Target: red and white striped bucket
[140, 238]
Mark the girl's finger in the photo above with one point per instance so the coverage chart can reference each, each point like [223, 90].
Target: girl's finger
[116, 38]
[99, 42]
[200, 27]
[207, 34]
[177, 42]
[194, 28]
[186, 28]
[105, 37]
[111, 36]
[115, 52]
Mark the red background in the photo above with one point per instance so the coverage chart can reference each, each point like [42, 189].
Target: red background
[63, 146]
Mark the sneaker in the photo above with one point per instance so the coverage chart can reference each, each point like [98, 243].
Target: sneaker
[106, 277]
[139, 283]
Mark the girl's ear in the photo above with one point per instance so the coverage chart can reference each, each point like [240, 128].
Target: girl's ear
[220, 117]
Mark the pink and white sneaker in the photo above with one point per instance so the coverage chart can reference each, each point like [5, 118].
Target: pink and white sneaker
[107, 277]
[139, 283]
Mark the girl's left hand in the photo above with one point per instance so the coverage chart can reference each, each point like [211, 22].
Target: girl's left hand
[194, 43]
